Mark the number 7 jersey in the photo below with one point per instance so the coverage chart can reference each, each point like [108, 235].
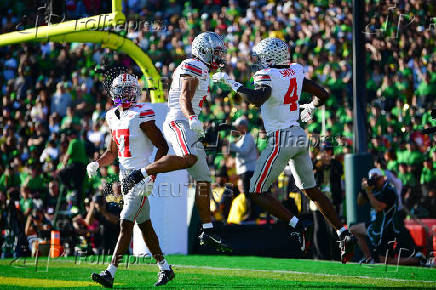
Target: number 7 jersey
[134, 147]
[281, 110]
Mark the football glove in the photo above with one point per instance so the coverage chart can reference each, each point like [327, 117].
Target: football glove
[196, 126]
[130, 181]
[307, 112]
[92, 169]
[224, 77]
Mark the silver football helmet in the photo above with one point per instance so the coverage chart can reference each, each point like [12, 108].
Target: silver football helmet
[271, 51]
[125, 90]
[209, 48]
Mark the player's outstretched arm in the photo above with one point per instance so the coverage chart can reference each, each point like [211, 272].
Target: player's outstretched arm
[258, 96]
[155, 135]
[321, 96]
[311, 87]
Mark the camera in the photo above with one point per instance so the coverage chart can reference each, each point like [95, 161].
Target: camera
[372, 181]
[98, 199]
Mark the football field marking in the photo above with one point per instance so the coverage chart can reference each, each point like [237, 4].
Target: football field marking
[300, 273]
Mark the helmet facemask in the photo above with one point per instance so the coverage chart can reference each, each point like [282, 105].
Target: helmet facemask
[218, 58]
[125, 95]
[125, 90]
[210, 49]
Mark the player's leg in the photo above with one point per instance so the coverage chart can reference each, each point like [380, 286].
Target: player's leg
[170, 163]
[270, 164]
[360, 232]
[166, 273]
[302, 169]
[132, 207]
[185, 143]
[106, 278]
[200, 173]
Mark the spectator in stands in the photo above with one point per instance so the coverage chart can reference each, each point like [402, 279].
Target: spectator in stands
[246, 155]
[74, 163]
[61, 100]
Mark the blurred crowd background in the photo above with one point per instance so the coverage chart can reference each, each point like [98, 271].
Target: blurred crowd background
[53, 107]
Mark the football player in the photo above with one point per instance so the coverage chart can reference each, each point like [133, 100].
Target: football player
[189, 89]
[134, 133]
[278, 87]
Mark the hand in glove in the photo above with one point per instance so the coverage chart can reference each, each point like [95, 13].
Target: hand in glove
[224, 77]
[196, 126]
[92, 169]
[307, 112]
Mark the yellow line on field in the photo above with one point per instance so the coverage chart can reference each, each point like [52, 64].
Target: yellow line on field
[34, 282]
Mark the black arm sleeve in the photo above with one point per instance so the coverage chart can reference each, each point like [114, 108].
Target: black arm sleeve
[258, 96]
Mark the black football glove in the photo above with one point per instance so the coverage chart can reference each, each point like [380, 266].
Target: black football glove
[130, 181]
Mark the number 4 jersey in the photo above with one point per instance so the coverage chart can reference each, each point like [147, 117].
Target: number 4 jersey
[134, 147]
[281, 110]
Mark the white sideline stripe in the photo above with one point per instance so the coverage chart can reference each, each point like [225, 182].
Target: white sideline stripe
[298, 273]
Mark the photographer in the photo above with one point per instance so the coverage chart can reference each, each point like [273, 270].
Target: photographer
[385, 226]
[107, 215]
[37, 228]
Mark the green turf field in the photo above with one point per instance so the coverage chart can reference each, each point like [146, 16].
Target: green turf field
[217, 272]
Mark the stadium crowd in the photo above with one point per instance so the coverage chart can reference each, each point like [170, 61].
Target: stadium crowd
[53, 105]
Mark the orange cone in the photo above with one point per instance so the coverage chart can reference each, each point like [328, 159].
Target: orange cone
[55, 244]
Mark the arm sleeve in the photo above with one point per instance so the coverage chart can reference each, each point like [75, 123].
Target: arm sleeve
[262, 78]
[146, 115]
[189, 68]
[258, 96]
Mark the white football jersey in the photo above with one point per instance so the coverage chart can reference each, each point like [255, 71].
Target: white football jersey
[281, 110]
[134, 147]
[193, 68]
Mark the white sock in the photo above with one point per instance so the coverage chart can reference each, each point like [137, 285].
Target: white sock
[112, 269]
[341, 230]
[207, 226]
[293, 222]
[163, 265]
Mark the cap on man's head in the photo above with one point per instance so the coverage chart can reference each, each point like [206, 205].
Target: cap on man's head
[374, 173]
[241, 121]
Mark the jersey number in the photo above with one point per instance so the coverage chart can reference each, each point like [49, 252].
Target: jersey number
[121, 137]
[291, 100]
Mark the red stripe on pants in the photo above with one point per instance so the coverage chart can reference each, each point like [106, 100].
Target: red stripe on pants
[142, 204]
[268, 164]
[179, 135]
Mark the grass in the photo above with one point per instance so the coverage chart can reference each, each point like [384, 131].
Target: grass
[225, 272]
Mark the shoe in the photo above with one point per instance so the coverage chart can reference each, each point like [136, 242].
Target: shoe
[104, 278]
[210, 238]
[164, 276]
[302, 233]
[347, 245]
[367, 261]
